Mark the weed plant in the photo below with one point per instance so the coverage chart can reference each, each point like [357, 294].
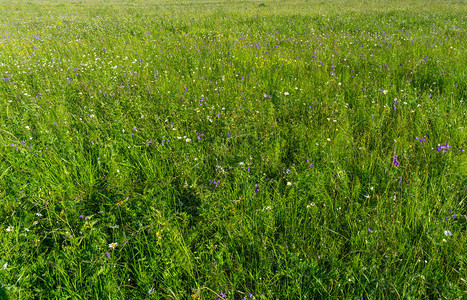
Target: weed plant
[233, 149]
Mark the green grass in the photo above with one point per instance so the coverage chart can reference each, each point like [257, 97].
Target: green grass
[233, 147]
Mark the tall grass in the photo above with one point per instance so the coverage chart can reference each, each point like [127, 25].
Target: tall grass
[233, 149]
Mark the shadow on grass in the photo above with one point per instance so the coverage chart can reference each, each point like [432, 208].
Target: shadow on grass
[3, 295]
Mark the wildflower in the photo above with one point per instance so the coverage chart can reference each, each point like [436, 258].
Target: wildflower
[289, 183]
[215, 182]
[241, 163]
[286, 94]
[151, 291]
[188, 140]
[34, 223]
[443, 148]
[113, 245]
[369, 230]
[108, 255]
[447, 233]
[268, 208]
[10, 228]
[39, 214]
[394, 160]
[385, 92]
[5, 265]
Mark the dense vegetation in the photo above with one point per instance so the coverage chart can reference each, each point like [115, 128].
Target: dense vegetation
[233, 149]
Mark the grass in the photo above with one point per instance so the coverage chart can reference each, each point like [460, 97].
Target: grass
[231, 149]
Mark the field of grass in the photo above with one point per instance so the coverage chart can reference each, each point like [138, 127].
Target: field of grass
[233, 149]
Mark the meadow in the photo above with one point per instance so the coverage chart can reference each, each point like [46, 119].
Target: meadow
[260, 149]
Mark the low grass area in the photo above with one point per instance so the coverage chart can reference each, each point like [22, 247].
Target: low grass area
[233, 149]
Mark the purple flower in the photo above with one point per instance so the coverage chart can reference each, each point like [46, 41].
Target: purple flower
[443, 148]
[222, 294]
[215, 182]
[369, 230]
[108, 255]
[420, 140]
[394, 160]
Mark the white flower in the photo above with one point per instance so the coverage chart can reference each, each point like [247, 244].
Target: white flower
[113, 245]
[28, 128]
[286, 94]
[188, 140]
[289, 183]
[10, 228]
[241, 163]
[39, 214]
[448, 233]
[151, 291]
[5, 265]
[268, 208]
